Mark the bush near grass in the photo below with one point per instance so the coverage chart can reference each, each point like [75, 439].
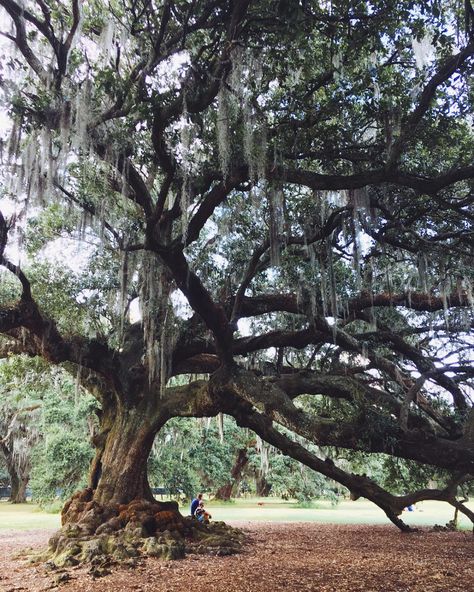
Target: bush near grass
[53, 507]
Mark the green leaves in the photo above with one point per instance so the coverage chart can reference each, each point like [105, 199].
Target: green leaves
[53, 409]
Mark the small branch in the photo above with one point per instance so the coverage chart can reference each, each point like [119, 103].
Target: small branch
[90, 209]
[126, 169]
[15, 269]
[211, 201]
[444, 73]
[245, 282]
[65, 47]
[8, 36]
[18, 15]
[161, 201]
[462, 508]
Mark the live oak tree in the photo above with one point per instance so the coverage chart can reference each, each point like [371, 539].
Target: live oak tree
[18, 438]
[19, 414]
[60, 460]
[45, 422]
[286, 189]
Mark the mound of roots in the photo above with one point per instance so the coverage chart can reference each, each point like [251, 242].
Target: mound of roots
[104, 535]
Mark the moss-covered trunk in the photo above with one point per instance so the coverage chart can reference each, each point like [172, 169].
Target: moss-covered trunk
[116, 517]
[119, 472]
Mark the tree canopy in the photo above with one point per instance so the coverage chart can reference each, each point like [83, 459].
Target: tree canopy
[272, 199]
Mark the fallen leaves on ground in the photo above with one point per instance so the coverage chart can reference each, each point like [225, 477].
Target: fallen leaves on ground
[277, 557]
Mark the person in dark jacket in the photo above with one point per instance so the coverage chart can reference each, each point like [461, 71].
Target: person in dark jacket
[195, 503]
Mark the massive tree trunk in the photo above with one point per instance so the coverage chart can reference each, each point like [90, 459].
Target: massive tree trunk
[116, 515]
[118, 474]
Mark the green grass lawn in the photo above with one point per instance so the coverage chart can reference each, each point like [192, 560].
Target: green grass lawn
[29, 516]
[347, 512]
[26, 517]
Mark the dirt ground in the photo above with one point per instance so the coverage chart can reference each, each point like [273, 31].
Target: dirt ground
[277, 557]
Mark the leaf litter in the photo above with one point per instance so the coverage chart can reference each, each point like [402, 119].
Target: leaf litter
[302, 557]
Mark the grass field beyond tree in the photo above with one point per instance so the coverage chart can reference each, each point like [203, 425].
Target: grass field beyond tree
[30, 516]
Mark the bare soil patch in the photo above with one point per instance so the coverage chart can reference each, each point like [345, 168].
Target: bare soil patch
[278, 556]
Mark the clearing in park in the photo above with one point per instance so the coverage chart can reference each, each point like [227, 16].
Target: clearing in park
[236, 254]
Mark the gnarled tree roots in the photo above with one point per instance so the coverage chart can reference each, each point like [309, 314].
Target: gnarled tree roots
[103, 535]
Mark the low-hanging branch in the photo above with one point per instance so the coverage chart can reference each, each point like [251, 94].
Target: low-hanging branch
[363, 433]
[358, 485]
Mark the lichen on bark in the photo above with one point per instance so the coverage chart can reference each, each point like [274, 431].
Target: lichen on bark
[101, 536]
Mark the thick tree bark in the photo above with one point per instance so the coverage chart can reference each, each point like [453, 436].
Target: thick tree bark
[128, 426]
[119, 473]
[116, 517]
[118, 480]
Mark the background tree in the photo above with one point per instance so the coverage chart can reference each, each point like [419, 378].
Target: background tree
[68, 421]
[46, 429]
[189, 456]
[19, 415]
[286, 189]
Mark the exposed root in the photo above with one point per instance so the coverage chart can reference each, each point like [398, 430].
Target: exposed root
[450, 526]
[102, 536]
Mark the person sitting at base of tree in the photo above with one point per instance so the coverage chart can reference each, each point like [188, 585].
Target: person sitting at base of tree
[201, 514]
[195, 503]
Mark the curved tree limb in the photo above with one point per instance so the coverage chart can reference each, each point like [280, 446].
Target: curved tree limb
[361, 434]
[446, 70]
[358, 485]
